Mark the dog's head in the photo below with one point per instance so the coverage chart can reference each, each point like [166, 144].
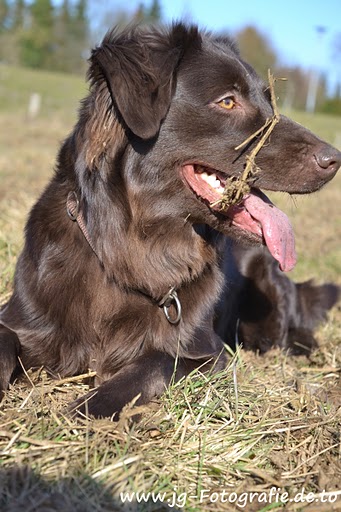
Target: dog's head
[181, 101]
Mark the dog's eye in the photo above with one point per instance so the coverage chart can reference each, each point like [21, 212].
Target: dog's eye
[227, 103]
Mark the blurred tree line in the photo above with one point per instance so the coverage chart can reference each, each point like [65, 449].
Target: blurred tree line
[43, 35]
[36, 34]
[293, 91]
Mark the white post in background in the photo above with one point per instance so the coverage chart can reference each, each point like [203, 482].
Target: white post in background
[315, 75]
[34, 105]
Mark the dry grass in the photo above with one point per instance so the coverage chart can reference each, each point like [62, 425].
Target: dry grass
[266, 422]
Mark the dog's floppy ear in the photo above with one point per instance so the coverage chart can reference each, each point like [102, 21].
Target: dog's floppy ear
[139, 66]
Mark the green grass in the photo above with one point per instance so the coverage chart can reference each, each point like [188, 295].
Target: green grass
[59, 92]
[278, 426]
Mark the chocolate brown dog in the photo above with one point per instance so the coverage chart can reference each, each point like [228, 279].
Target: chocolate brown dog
[119, 273]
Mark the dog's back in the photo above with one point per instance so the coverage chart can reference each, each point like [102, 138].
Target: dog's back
[261, 307]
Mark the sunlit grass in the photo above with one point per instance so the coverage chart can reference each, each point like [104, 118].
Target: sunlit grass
[265, 421]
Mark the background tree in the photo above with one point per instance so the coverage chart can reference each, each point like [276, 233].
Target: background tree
[293, 91]
[4, 12]
[151, 14]
[71, 37]
[155, 14]
[12, 16]
[55, 35]
[18, 17]
[80, 23]
[63, 36]
[256, 49]
[336, 53]
[80, 35]
[37, 45]
[332, 104]
[140, 13]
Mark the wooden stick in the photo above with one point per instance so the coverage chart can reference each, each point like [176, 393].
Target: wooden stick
[237, 187]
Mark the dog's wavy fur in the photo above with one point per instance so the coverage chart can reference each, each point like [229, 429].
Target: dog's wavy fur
[149, 111]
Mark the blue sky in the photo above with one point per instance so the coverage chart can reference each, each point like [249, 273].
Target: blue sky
[290, 24]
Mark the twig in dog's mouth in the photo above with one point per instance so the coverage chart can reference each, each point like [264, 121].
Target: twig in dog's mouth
[237, 187]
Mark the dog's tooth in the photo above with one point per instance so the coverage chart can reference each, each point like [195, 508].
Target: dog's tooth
[204, 176]
[212, 180]
[217, 184]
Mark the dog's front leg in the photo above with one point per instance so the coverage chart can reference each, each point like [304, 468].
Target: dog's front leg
[146, 378]
[9, 351]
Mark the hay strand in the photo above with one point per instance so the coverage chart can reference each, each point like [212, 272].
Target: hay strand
[237, 187]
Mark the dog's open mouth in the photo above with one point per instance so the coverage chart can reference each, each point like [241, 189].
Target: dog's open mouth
[255, 212]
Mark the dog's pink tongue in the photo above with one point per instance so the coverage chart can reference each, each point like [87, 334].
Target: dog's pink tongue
[276, 227]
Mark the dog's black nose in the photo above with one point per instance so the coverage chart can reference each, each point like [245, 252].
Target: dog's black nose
[329, 159]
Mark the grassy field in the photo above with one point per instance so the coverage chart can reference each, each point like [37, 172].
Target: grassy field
[265, 423]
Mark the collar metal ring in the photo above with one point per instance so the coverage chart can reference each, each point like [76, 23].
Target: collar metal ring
[171, 298]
